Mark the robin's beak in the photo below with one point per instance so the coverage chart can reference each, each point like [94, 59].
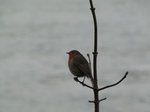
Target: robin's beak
[67, 52]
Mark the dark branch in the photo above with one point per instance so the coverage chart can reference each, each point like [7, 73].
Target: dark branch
[77, 80]
[115, 83]
[91, 101]
[95, 42]
[102, 99]
[98, 101]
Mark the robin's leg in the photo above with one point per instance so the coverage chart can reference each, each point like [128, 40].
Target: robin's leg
[83, 79]
[76, 79]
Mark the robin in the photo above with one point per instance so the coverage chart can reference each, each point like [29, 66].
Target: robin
[79, 66]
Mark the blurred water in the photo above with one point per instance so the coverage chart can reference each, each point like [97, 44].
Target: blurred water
[34, 38]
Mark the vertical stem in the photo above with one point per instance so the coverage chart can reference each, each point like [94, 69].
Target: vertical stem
[96, 100]
[96, 95]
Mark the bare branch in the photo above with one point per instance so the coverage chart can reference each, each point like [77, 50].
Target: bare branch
[91, 101]
[114, 83]
[102, 99]
[77, 80]
[98, 101]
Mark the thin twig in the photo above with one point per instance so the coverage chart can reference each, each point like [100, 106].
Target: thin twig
[114, 83]
[102, 99]
[91, 101]
[77, 80]
[98, 101]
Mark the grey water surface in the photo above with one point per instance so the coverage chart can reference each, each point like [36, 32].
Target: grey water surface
[35, 36]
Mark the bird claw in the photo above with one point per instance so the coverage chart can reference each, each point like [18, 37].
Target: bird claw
[76, 79]
[83, 80]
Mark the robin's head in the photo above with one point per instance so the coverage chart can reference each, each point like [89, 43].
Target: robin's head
[73, 53]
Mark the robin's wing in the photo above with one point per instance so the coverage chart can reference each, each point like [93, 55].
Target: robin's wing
[85, 69]
[82, 65]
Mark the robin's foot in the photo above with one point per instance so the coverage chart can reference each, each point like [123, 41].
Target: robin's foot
[76, 79]
[83, 80]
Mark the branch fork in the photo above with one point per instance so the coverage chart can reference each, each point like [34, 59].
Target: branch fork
[105, 87]
[98, 101]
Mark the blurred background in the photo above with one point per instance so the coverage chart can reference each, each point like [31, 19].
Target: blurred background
[35, 36]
